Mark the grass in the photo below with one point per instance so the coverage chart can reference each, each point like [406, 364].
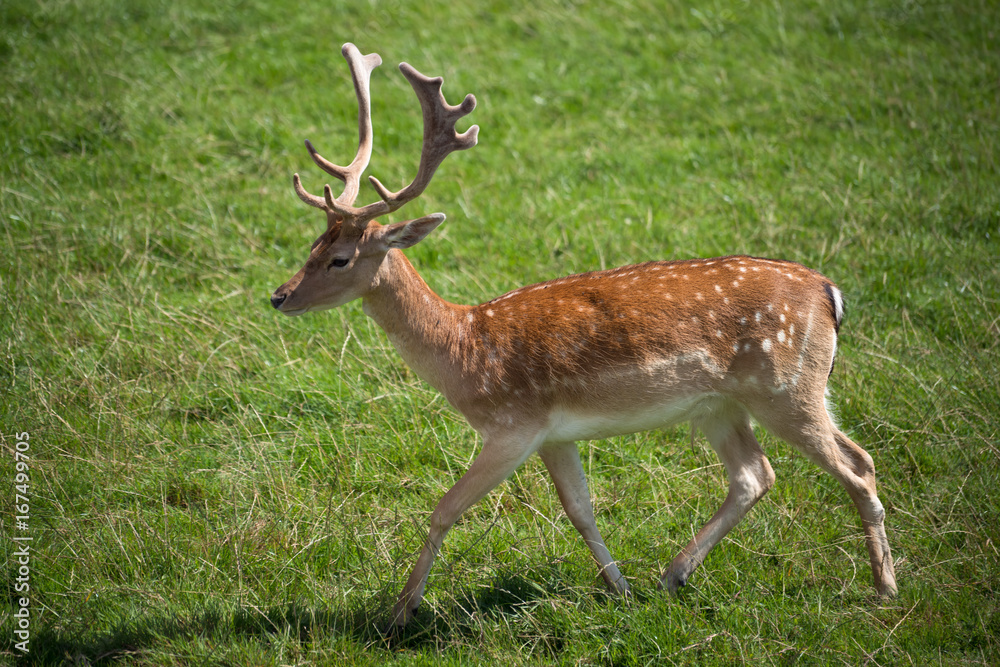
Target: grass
[212, 484]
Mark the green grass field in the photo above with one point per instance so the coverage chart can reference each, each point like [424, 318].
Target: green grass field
[214, 484]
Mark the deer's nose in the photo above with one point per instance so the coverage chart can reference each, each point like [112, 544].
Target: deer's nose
[278, 299]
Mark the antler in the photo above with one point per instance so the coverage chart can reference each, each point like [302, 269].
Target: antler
[440, 137]
[361, 70]
[440, 140]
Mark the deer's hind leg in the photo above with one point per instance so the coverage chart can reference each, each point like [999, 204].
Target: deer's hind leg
[811, 430]
[750, 476]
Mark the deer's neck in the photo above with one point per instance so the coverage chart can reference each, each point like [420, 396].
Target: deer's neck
[426, 330]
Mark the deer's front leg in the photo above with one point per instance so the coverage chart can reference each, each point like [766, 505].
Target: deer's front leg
[563, 463]
[498, 459]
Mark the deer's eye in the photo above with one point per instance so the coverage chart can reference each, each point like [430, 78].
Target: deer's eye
[338, 262]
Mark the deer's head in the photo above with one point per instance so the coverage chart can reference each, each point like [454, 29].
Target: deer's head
[345, 260]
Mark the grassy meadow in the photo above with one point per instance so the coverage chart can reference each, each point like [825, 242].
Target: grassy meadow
[212, 483]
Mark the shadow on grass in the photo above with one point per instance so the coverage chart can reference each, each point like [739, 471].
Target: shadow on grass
[363, 625]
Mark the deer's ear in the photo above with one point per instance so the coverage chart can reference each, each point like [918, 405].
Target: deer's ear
[410, 232]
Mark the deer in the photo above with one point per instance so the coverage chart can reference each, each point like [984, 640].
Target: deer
[715, 342]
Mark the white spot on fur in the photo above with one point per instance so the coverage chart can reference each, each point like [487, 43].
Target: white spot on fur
[766, 345]
[489, 312]
[781, 336]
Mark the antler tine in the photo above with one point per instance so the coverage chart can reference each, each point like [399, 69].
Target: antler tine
[312, 200]
[361, 68]
[440, 136]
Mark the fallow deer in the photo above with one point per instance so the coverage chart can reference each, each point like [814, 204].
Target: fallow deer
[712, 341]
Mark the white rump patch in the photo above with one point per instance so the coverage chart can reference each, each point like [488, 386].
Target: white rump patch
[838, 303]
